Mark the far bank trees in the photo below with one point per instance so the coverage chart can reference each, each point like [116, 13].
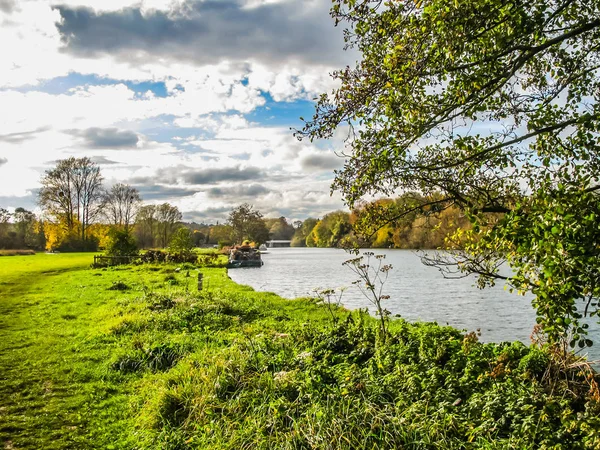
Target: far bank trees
[248, 224]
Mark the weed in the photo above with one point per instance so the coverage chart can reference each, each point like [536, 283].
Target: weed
[119, 286]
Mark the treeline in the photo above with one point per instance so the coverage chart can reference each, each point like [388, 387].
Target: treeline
[381, 224]
[377, 224]
[81, 214]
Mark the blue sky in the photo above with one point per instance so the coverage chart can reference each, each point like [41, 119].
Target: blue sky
[190, 101]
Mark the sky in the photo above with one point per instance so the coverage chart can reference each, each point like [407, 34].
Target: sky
[189, 101]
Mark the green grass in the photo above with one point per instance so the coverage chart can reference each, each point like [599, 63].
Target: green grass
[135, 358]
[58, 345]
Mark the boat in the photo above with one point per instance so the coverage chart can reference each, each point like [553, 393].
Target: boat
[244, 256]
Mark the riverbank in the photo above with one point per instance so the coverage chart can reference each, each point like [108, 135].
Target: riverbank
[135, 357]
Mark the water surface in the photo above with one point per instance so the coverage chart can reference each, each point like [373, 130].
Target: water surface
[417, 292]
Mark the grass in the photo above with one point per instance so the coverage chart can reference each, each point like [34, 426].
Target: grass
[135, 358]
[60, 342]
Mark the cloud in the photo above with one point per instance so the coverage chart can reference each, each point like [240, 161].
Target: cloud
[107, 138]
[320, 162]
[251, 190]
[214, 176]
[206, 32]
[20, 137]
[3, 161]
[102, 160]
[7, 6]
[149, 193]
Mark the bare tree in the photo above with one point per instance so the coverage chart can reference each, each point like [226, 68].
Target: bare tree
[167, 216]
[121, 204]
[145, 225]
[72, 193]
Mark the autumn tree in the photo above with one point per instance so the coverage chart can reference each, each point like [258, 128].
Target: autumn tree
[222, 235]
[248, 223]
[72, 194]
[280, 229]
[121, 204]
[493, 104]
[303, 230]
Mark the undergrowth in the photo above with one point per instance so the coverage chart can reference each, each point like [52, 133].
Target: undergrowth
[254, 381]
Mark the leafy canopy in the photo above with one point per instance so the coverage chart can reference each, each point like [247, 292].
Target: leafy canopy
[490, 106]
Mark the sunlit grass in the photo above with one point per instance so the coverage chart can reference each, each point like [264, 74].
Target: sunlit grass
[134, 357]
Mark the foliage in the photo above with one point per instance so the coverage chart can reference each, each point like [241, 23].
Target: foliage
[280, 229]
[163, 366]
[72, 242]
[182, 241]
[248, 224]
[303, 230]
[121, 242]
[221, 235]
[329, 231]
[146, 226]
[72, 195]
[158, 256]
[491, 107]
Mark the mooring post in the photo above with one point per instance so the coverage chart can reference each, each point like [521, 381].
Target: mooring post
[199, 281]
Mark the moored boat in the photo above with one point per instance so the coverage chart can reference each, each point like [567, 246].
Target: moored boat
[244, 256]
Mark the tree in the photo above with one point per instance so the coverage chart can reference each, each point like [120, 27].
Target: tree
[146, 226]
[330, 230]
[303, 230]
[24, 224]
[4, 226]
[182, 241]
[167, 217]
[493, 104]
[121, 242]
[281, 230]
[121, 205]
[72, 194]
[247, 223]
[221, 235]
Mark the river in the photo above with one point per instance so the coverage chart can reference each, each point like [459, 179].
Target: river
[417, 292]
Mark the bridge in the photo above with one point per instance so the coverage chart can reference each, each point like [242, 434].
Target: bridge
[278, 243]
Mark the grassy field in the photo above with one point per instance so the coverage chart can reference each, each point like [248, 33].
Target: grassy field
[58, 345]
[135, 358]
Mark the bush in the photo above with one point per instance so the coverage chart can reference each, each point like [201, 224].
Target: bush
[158, 256]
[76, 244]
[182, 241]
[121, 243]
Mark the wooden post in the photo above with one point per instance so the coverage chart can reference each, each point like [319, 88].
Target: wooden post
[199, 281]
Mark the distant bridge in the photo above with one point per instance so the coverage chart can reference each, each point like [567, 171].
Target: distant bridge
[278, 243]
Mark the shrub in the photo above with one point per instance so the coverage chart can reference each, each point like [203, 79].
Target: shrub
[121, 243]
